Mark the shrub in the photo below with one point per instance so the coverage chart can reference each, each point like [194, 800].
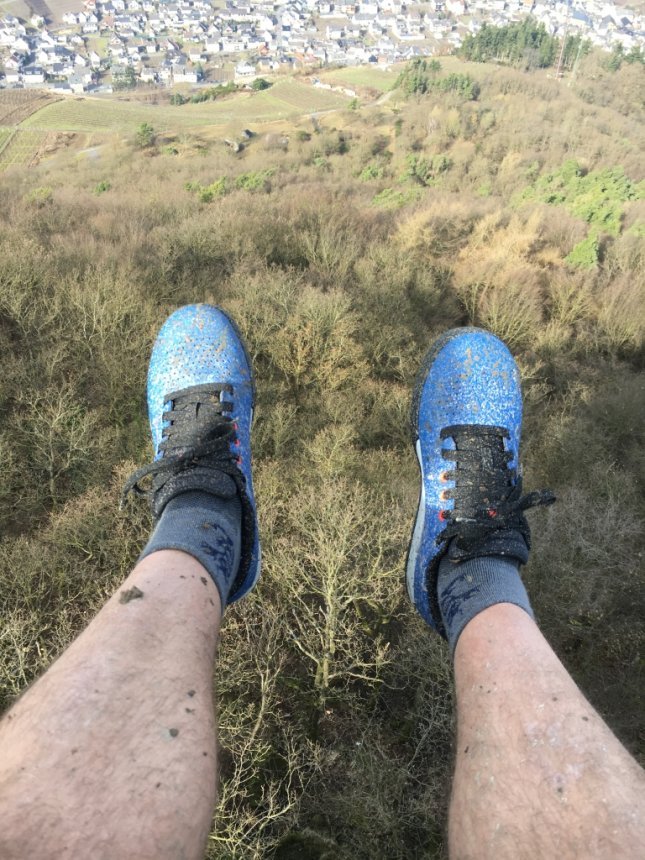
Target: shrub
[371, 171]
[145, 136]
[395, 198]
[585, 253]
[258, 181]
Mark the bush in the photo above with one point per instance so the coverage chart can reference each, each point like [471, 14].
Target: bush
[145, 136]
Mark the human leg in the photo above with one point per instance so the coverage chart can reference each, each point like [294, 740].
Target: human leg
[112, 752]
[538, 773]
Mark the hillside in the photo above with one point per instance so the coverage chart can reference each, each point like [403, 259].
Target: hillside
[342, 243]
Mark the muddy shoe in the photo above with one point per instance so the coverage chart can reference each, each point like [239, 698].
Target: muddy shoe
[200, 405]
[466, 423]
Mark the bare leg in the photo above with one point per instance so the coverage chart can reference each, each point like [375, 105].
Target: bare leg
[538, 773]
[112, 752]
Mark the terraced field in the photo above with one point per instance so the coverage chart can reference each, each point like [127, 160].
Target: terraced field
[20, 147]
[5, 134]
[26, 118]
[17, 105]
[285, 99]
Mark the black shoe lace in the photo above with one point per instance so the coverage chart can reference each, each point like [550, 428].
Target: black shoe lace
[199, 432]
[487, 493]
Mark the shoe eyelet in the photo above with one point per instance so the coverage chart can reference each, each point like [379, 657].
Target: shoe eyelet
[443, 515]
[443, 495]
[443, 477]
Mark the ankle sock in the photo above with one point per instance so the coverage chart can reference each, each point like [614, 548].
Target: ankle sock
[207, 527]
[466, 588]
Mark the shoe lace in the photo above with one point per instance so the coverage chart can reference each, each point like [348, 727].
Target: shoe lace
[198, 431]
[487, 493]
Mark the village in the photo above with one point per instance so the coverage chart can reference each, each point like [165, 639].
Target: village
[117, 44]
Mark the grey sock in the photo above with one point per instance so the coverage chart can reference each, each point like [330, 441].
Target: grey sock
[207, 527]
[466, 588]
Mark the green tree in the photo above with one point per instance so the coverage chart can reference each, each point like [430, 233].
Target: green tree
[145, 135]
[124, 79]
[616, 58]
[260, 84]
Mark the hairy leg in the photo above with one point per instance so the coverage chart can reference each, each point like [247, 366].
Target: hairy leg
[538, 773]
[112, 752]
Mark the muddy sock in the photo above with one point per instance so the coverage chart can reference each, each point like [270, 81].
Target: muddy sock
[207, 527]
[466, 588]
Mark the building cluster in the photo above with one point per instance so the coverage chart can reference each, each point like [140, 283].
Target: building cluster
[110, 42]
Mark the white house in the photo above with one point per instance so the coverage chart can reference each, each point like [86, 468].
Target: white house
[33, 75]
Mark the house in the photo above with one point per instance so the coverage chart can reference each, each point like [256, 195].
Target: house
[77, 84]
[13, 63]
[21, 45]
[183, 75]
[212, 45]
[148, 76]
[244, 70]
[33, 75]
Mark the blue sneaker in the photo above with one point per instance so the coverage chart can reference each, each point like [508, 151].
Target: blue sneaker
[466, 423]
[200, 405]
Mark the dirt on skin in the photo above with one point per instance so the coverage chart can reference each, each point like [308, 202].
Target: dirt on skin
[133, 593]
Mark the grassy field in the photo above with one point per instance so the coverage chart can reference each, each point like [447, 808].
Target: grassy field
[98, 44]
[286, 98]
[51, 9]
[14, 7]
[363, 76]
[5, 134]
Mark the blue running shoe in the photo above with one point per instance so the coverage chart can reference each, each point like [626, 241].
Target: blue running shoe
[466, 423]
[201, 396]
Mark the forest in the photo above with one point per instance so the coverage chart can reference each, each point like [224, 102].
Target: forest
[492, 196]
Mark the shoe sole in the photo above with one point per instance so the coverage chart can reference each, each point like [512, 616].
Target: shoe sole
[246, 585]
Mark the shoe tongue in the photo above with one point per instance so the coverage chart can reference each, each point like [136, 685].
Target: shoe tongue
[204, 427]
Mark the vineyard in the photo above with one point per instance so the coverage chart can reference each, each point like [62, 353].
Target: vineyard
[17, 105]
[18, 147]
[5, 136]
[110, 115]
[103, 115]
